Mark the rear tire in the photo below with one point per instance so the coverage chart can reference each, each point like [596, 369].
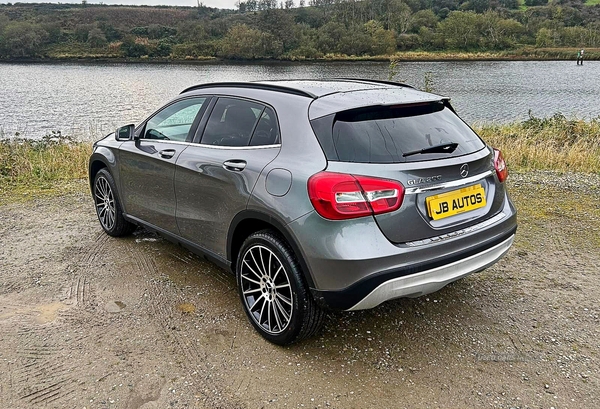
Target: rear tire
[272, 290]
[108, 208]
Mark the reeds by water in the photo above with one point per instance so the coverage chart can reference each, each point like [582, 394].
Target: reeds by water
[36, 165]
[555, 143]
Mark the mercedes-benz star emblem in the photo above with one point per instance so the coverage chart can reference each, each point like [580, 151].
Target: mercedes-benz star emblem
[464, 170]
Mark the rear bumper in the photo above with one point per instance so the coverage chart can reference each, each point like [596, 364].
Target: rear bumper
[434, 279]
[417, 279]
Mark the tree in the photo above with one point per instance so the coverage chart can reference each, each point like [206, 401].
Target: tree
[509, 4]
[82, 31]
[163, 48]
[243, 42]
[133, 48]
[498, 33]
[190, 31]
[382, 40]
[96, 38]
[479, 6]
[579, 37]
[280, 24]
[401, 18]
[423, 18]
[544, 38]
[21, 39]
[460, 30]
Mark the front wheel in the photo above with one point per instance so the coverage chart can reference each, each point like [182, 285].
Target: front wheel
[108, 207]
[272, 290]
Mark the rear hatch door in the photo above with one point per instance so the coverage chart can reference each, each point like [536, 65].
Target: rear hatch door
[446, 169]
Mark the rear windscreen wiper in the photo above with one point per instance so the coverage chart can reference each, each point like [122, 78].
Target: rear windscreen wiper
[442, 148]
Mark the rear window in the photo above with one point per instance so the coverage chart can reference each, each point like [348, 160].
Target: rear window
[385, 134]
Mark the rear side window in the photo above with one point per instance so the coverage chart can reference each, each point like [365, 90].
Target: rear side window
[237, 122]
[386, 134]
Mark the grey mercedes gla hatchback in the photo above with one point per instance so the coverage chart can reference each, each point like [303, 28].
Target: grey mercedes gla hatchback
[316, 194]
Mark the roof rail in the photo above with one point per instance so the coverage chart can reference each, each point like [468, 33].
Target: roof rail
[398, 84]
[253, 85]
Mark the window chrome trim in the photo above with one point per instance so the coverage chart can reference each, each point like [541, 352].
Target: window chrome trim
[454, 183]
[453, 234]
[165, 141]
[277, 145]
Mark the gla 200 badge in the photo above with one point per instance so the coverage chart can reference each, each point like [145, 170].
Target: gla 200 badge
[429, 179]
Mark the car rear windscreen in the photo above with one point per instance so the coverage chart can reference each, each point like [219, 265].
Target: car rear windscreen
[395, 134]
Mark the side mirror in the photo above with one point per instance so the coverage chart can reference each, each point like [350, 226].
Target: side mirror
[125, 133]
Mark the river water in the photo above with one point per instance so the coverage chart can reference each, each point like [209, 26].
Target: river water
[90, 100]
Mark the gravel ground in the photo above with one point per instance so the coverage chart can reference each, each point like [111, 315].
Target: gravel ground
[89, 321]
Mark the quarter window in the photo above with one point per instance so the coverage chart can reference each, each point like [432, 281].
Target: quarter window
[174, 122]
[267, 130]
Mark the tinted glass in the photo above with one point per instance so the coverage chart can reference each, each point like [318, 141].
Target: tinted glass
[174, 122]
[267, 130]
[384, 134]
[231, 122]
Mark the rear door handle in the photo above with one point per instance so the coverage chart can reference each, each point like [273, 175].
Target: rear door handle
[167, 153]
[236, 165]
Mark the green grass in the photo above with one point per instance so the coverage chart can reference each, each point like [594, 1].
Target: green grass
[555, 143]
[52, 165]
[592, 2]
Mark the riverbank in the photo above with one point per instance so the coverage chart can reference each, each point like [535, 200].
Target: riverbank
[522, 54]
[53, 165]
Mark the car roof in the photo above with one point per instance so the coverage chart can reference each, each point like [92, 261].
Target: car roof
[336, 94]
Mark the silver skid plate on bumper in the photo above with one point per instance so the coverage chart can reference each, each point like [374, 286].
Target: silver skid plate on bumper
[432, 280]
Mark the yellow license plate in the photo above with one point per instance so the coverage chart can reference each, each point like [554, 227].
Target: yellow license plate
[455, 202]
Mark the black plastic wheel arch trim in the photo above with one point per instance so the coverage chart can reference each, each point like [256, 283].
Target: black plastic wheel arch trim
[280, 227]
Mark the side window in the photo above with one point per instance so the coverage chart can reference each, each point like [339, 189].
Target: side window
[174, 122]
[231, 122]
[267, 130]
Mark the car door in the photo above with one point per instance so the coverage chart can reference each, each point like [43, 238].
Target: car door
[147, 164]
[214, 178]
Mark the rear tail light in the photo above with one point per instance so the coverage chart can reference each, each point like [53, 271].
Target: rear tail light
[500, 165]
[339, 196]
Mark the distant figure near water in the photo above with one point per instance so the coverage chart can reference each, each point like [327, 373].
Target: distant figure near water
[580, 57]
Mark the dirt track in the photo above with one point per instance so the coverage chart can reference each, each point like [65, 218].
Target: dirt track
[91, 321]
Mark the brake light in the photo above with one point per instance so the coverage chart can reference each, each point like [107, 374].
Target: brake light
[339, 196]
[500, 165]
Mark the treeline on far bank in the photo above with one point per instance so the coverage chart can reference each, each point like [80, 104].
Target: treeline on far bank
[263, 29]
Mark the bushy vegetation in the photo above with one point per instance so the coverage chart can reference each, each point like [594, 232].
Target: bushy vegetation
[262, 29]
[46, 164]
[554, 143]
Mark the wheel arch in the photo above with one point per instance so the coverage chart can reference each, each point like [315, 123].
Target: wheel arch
[104, 158]
[248, 222]
[96, 163]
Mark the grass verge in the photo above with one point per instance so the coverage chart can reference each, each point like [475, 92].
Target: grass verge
[556, 143]
[57, 164]
[32, 168]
